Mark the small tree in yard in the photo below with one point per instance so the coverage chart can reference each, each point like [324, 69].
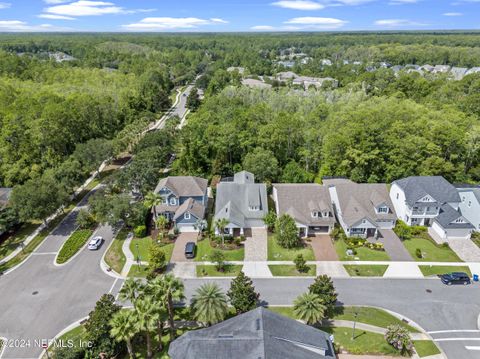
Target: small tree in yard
[218, 258]
[242, 294]
[323, 287]
[157, 261]
[403, 230]
[270, 219]
[286, 232]
[399, 338]
[300, 264]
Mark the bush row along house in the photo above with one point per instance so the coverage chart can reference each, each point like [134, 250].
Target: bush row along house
[361, 209]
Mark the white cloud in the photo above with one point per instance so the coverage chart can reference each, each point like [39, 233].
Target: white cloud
[262, 28]
[452, 14]
[171, 23]
[22, 26]
[397, 23]
[403, 2]
[55, 17]
[317, 23]
[5, 5]
[299, 4]
[56, 1]
[87, 8]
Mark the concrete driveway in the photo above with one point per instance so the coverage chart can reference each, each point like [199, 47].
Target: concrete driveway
[394, 246]
[323, 248]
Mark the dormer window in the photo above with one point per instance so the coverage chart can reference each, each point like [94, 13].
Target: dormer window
[187, 215]
[325, 214]
[254, 208]
[173, 201]
[459, 220]
[383, 209]
[315, 214]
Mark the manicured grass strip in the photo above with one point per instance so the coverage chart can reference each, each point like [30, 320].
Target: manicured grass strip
[431, 251]
[291, 271]
[363, 343]
[138, 271]
[14, 240]
[144, 248]
[436, 270]
[425, 348]
[373, 316]
[278, 253]
[115, 258]
[211, 271]
[363, 253]
[204, 250]
[73, 244]
[366, 270]
[285, 311]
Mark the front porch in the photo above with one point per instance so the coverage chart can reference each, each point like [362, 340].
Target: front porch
[363, 232]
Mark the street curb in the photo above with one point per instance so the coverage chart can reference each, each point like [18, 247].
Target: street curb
[76, 254]
[63, 331]
[104, 265]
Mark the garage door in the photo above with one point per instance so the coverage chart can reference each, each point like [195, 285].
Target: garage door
[186, 229]
[319, 229]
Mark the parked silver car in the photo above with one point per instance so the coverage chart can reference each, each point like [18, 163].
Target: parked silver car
[95, 243]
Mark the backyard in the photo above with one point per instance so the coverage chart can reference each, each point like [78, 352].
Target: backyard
[278, 253]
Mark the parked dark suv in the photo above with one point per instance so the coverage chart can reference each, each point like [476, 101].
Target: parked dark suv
[190, 250]
[455, 278]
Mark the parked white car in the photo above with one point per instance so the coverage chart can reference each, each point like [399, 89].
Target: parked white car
[95, 243]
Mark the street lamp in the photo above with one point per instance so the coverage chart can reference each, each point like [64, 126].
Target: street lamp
[355, 315]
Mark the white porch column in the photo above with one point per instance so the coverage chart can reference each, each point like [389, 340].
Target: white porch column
[241, 231]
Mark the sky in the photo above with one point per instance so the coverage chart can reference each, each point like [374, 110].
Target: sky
[236, 15]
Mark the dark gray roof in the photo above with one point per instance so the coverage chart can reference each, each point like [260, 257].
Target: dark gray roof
[4, 196]
[258, 334]
[184, 186]
[447, 217]
[193, 207]
[417, 187]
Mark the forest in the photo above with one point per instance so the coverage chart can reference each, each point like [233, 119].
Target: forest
[60, 119]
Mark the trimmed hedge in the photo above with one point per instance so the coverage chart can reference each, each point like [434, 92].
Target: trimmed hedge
[73, 244]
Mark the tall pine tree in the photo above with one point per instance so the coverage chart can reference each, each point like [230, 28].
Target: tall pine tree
[242, 294]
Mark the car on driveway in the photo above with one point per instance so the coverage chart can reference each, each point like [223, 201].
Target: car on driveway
[190, 250]
[95, 243]
[455, 278]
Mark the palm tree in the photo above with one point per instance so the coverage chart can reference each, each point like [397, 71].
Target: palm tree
[131, 290]
[152, 200]
[209, 304]
[161, 223]
[200, 225]
[173, 288]
[309, 307]
[146, 320]
[123, 329]
[221, 224]
[156, 290]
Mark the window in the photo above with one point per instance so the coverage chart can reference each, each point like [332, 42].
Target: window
[325, 214]
[463, 199]
[254, 208]
[382, 209]
[398, 194]
[469, 204]
[187, 215]
[315, 214]
[364, 221]
[173, 201]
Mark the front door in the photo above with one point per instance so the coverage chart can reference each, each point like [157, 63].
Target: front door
[371, 232]
[427, 222]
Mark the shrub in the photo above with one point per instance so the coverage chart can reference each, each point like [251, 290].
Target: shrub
[270, 219]
[418, 253]
[176, 231]
[418, 230]
[73, 244]
[403, 231]
[286, 232]
[140, 231]
[300, 263]
[218, 258]
[399, 338]
[238, 240]
[84, 219]
[171, 236]
[157, 261]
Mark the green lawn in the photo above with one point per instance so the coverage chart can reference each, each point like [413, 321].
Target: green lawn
[14, 240]
[430, 250]
[366, 270]
[115, 258]
[278, 253]
[204, 250]
[425, 348]
[138, 271]
[144, 247]
[363, 253]
[73, 244]
[77, 335]
[285, 311]
[291, 271]
[364, 342]
[211, 271]
[436, 270]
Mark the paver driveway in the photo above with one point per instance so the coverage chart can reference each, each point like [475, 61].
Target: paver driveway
[178, 254]
[323, 248]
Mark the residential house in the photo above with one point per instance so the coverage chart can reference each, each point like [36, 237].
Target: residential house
[309, 204]
[427, 68]
[258, 333]
[470, 203]
[184, 200]
[441, 69]
[241, 70]
[433, 202]
[362, 209]
[473, 70]
[458, 73]
[242, 202]
[254, 83]
[286, 75]
[326, 62]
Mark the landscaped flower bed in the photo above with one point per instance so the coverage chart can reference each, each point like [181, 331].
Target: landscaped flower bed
[73, 244]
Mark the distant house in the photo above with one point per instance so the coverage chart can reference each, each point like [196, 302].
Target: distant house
[427, 68]
[458, 73]
[242, 202]
[241, 70]
[184, 200]
[362, 209]
[254, 83]
[286, 75]
[326, 62]
[433, 202]
[441, 69]
[287, 64]
[473, 70]
[257, 334]
[309, 204]
[470, 203]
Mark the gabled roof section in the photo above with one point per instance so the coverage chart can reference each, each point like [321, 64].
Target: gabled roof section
[191, 206]
[184, 186]
[447, 217]
[258, 334]
[437, 187]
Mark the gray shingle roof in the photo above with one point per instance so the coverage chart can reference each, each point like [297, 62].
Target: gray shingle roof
[447, 217]
[191, 206]
[184, 186]
[4, 196]
[417, 187]
[258, 334]
[299, 200]
[234, 200]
